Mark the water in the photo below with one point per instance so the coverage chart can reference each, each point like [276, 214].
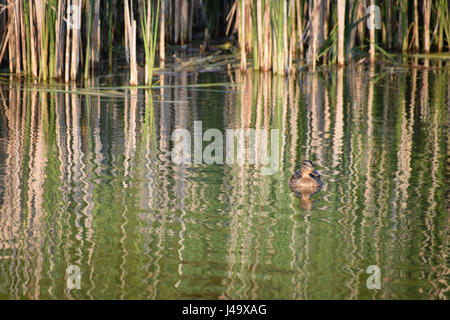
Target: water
[88, 181]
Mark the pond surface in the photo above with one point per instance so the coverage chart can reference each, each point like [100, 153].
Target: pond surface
[87, 180]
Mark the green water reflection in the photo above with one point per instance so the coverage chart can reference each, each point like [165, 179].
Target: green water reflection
[88, 180]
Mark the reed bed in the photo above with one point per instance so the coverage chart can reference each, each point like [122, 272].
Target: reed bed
[283, 35]
[67, 40]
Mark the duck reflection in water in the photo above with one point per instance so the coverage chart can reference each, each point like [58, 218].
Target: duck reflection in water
[305, 182]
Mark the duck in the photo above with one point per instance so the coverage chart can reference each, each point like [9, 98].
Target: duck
[305, 182]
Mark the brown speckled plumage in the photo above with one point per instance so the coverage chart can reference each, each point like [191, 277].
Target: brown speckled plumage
[306, 180]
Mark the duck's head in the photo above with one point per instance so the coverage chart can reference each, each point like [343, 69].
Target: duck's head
[306, 168]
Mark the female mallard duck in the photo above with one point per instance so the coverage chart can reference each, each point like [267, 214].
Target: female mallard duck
[306, 180]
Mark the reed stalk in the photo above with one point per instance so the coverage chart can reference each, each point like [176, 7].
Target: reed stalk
[162, 34]
[341, 29]
[402, 35]
[242, 34]
[43, 65]
[59, 40]
[130, 42]
[426, 25]
[316, 32]
[416, 26]
[111, 11]
[149, 22]
[96, 38]
[372, 40]
[75, 46]
[444, 21]
[68, 44]
[88, 44]
[255, 39]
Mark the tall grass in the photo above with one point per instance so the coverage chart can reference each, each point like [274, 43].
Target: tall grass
[281, 36]
[444, 22]
[149, 22]
[38, 39]
[335, 31]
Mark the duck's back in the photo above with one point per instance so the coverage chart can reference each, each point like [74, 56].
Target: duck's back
[304, 185]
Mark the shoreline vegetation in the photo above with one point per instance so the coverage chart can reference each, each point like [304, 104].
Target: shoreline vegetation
[69, 40]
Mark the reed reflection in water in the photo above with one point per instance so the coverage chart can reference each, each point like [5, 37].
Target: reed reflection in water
[88, 180]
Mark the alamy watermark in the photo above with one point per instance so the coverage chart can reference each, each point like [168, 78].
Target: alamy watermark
[374, 19]
[374, 281]
[74, 17]
[241, 146]
[73, 274]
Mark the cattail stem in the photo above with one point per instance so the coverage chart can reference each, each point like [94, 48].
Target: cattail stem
[162, 37]
[341, 28]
